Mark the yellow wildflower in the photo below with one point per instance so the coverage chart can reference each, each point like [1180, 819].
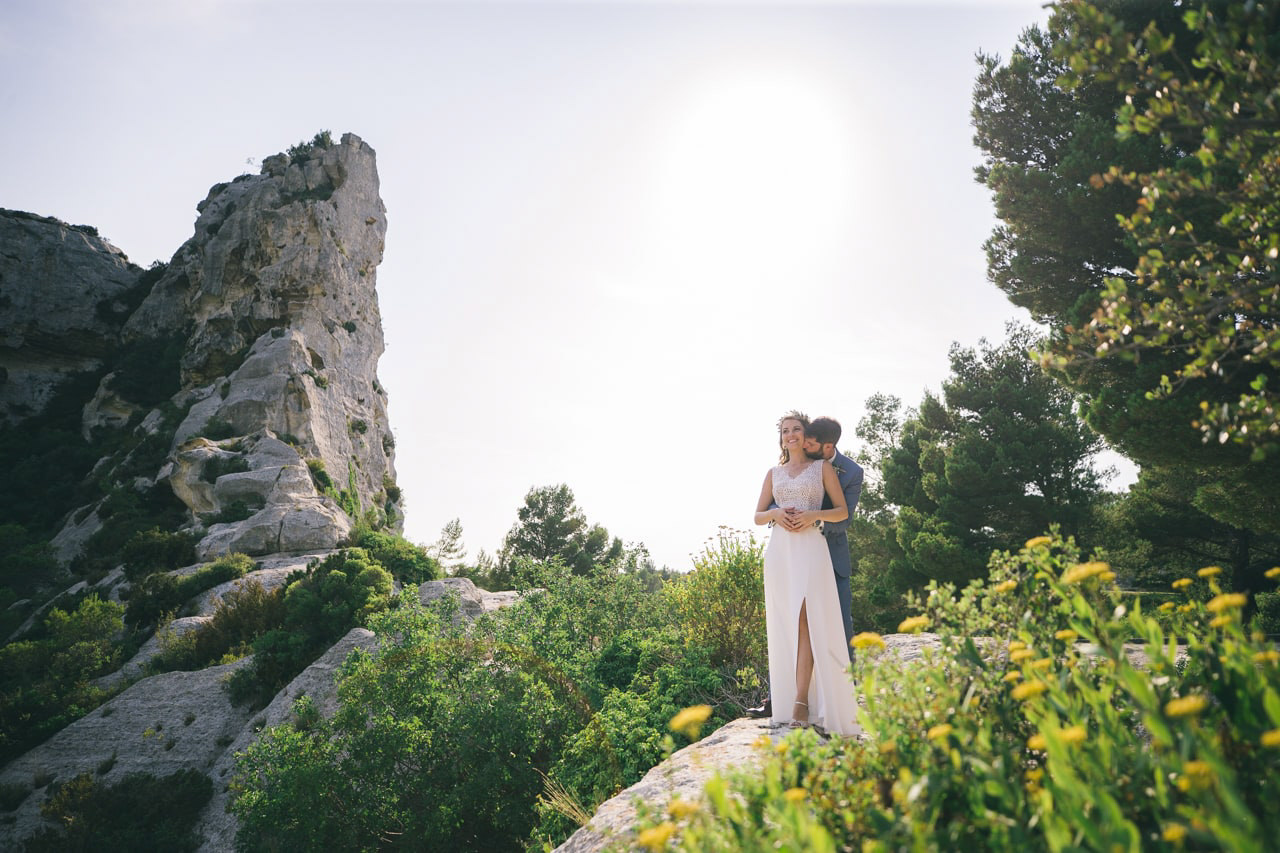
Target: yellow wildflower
[1106, 577]
[939, 731]
[1195, 774]
[1012, 675]
[1074, 734]
[1226, 601]
[780, 747]
[1066, 634]
[1186, 706]
[1043, 663]
[1022, 654]
[1181, 583]
[689, 721]
[762, 742]
[867, 640]
[681, 809]
[1210, 571]
[1083, 572]
[888, 747]
[1006, 586]
[1220, 622]
[1272, 573]
[1029, 689]
[1167, 606]
[656, 837]
[1014, 645]
[1174, 833]
[1037, 542]
[1186, 608]
[913, 624]
[1037, 742]
[795, 795]
[1269, 656]
[1271, 739]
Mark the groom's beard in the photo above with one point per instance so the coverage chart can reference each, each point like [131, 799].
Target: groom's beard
[817, 454]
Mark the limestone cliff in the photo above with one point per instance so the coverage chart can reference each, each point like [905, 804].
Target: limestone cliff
[62, 292]
[281, 440]
[231, 394]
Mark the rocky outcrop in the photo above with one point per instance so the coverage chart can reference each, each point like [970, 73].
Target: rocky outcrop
[63, 292]
[278, 432]
[160, 725]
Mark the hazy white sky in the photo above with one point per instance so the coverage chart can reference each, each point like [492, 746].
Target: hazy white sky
[623, 238]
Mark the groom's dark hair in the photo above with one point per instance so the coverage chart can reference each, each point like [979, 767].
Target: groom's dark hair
[825, 430]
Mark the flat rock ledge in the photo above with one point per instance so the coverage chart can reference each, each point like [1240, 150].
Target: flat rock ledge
[684, 773]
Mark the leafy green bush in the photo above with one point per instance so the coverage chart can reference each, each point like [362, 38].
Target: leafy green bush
[46, 683]
[241, 616]
[140, 812]
[163, 593]
[321, 604]
[304, 149]
[720, 604]
[407, 562]
[156, 550]
[216, 466]
[482, 735]
[1043, 735]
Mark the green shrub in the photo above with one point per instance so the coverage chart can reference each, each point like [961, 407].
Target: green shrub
[321, 604]
[148, 371]
[454, 731]
[1267, 617]
[218, 429]
[140, 812]
[46, 683]
[236, 511]
[1041, 735]
[163, 593]
[319, 476]
[407, 562]
[156, 550]
[720, 604]
[303, 150]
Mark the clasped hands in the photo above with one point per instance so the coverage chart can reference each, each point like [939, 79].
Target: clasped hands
[794, 519]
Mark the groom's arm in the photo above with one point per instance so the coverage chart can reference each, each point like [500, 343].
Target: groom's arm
[852, 488]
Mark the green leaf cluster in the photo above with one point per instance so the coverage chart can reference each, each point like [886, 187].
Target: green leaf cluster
[485, 734]
[47, 682]
[1033, 728]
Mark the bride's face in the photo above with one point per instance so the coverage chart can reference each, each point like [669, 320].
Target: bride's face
[791, 436]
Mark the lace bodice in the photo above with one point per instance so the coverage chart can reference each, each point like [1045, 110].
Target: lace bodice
[804, 491]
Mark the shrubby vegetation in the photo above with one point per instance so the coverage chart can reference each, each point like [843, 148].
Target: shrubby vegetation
[1040, 735]
[505, 731]
[162, 593]
[46, 680]
[321, 604]
[139, 812]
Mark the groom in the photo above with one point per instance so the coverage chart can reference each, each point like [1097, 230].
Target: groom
[820, 443]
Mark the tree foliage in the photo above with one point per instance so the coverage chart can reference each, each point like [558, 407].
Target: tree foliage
[1000, 453]
[551, 526]
[1085, 243]
[1206, 226]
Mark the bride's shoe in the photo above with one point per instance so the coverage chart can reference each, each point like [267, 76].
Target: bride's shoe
[796, 721]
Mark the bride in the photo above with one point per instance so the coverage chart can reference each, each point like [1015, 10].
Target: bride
[808, 658]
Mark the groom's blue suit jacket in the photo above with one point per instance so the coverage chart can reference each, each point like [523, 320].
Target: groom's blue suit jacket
[837, 532]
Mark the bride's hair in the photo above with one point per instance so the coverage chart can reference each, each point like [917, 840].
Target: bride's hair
[792, 415]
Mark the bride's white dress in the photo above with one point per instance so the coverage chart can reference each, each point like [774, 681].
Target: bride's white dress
[797, 569]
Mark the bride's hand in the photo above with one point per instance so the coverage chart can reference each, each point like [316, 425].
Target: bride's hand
[801, 520]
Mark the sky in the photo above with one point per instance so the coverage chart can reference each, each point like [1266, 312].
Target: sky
[623, 237]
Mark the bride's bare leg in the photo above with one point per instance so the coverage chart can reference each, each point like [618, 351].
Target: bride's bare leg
[804, 667]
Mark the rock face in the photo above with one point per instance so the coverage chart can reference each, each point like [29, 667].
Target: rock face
[281, 440]
[270, 427]
[62, 293]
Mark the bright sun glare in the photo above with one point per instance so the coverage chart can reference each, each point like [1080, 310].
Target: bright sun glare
[756, 169]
